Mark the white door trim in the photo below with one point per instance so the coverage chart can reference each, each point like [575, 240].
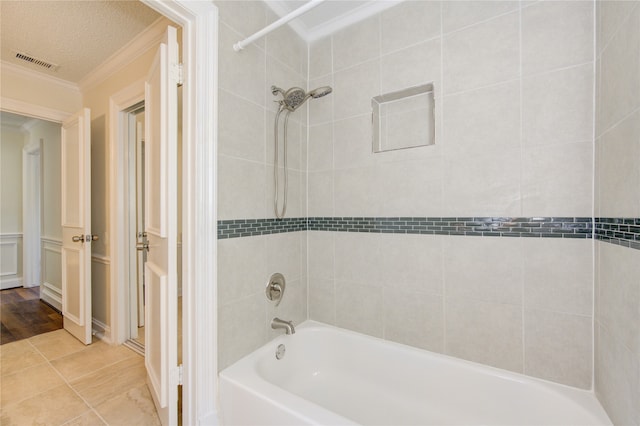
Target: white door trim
[199, 21]
[119, 195]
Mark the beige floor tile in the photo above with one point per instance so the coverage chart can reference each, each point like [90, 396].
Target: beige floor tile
[18, 355]
[27, 383]
[93, 358]
[132, 408]
[56, 344]
[111, 381]
[52, 407]
[90, 418]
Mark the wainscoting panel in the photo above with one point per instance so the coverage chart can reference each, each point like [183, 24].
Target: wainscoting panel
[101, 296]
[51, 287]
[10, 260]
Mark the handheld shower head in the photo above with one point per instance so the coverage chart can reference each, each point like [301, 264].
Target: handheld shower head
[294, 97]
[320, 92]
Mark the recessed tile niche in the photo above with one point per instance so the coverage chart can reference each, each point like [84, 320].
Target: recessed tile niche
[403, 119]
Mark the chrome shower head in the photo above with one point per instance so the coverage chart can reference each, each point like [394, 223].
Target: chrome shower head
[320, 92]
[294, 97]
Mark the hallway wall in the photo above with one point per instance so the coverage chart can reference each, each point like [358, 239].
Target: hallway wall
[51, 225]
[11, 143]
[38, 90]
[97, 99]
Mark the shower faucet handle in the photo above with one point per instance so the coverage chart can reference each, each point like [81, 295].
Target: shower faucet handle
[275, 288]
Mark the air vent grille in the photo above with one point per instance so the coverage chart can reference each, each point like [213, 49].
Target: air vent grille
[35, 61]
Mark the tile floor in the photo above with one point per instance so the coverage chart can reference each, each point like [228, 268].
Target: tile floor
[53, 379]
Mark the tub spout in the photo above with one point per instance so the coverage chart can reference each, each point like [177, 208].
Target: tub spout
[277, 323]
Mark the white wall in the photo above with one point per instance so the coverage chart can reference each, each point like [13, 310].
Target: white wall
[24, 86]
[51, 229]
[11, 143]
[49, 133]
[11, 180]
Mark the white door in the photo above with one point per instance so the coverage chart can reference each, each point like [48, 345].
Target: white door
[76, 225]
[161, 325]
[141, 256]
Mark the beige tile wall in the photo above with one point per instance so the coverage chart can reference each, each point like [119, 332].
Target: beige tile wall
[617, 337]
[245, 170]
[514, 137]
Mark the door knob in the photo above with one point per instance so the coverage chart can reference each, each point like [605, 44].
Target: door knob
[84, 238]
[142, 246]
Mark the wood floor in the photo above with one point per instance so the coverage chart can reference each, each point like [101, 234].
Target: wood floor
[23, 315]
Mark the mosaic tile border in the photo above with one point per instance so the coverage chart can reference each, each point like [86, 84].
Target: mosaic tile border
[619, 230]
[535, 227]
[236, 228]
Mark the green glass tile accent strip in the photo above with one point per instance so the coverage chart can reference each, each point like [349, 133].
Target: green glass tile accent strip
[532, 227]
[623, 231]
[236, 228]
[614, 230]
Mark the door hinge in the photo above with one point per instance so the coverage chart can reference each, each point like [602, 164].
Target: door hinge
[179, 74]
[180, 374]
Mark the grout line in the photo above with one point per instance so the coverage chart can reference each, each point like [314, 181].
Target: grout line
[66, 382]
[617, 123]
[606, 43]
[477, 23]
[333, 192]
[483, 87]
[306, 192]
[511, 80]
[520, 192]
[445, 348]
[593, 196]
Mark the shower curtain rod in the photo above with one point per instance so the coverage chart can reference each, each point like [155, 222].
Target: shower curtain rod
[277, 24]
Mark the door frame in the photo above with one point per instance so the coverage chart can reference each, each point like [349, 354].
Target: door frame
[199, 22]
[119, 104]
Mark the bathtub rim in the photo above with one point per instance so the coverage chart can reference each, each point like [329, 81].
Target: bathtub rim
[245, 369]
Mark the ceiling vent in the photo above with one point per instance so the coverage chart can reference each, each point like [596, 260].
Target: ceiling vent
[35, 61]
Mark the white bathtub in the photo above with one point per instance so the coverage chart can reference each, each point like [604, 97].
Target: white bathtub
[331, 376]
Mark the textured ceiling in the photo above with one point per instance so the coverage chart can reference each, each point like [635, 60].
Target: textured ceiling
[76, 35]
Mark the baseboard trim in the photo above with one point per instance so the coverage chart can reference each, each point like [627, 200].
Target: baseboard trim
[6, 283]
[51, 295]
[101, 330]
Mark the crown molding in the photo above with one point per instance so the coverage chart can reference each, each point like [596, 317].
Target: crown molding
[31, 110]
[11, 68]
[147, 39]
